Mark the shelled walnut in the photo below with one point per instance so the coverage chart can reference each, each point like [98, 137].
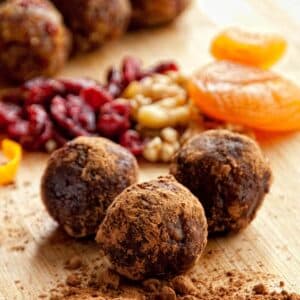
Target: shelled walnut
[159, 101]
[163, 147]
[162, 110]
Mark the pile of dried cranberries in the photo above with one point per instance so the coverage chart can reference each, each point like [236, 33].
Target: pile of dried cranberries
[43, 114]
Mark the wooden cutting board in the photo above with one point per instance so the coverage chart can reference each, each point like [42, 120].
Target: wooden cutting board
[32, 248]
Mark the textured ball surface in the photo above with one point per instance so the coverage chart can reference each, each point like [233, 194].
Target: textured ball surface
[229, 175]
[156, 228]
[82, 179]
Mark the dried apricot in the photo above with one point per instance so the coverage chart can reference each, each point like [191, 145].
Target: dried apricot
[256, 49]
[247, 95]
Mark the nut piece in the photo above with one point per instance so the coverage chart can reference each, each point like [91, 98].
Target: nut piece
[228, 173]
[157, 116]
[153, 149]
[82, 179]
[159, 101]
[153, 116]
[163, 146]
[170, 135]
[157, 228]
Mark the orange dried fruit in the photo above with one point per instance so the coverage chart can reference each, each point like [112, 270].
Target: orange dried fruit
[247, 95]
[256, 49]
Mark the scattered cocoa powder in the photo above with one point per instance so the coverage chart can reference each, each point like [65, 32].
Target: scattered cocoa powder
[26, 183]
[152, 285]
[73, 280]
[17, 248]
[96, 281]
[183, 285]
[260, 289]
[166, 293]
[73, 263]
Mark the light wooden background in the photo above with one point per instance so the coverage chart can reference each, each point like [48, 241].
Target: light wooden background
[271, 244]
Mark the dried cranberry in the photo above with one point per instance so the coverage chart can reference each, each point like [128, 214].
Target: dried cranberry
[87, 121]
[115, 107]
[18, 129]
[44, 137]
[132, 140]
[115, 90]
[58, 107]
[73, 106]
[34, 132]
[9, 113]
[165, 67]
[114, 119]
[114, 76]
[74, 86]
[131, 69]
[112, 125]
[40, 90]
[115, 82]
[95, 96]
[81, 113]
[59, 112]
[37, 117]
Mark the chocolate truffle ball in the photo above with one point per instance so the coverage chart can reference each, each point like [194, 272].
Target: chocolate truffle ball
[156, 228]
[156, 12]
[82, 179]
[33, 40]
[94, 22]
[228, 173]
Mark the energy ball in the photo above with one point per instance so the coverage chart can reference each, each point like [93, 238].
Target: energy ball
[229, 175]
[82, 179]
[156, 228]
[93, 22]
[33, 40]
[156, 12]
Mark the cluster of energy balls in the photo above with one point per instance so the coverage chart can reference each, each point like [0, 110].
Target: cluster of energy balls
[38, 36]
[159, 228]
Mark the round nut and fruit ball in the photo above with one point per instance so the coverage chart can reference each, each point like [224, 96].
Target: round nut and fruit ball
[156, 228]
[82, 179]
[228, 173]
[156, 12]
[33, 40]
[93, 22]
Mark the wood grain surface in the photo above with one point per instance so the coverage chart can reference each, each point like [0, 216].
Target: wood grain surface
[33, 249]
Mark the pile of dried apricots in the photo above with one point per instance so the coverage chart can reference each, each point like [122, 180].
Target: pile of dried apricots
[237, 87]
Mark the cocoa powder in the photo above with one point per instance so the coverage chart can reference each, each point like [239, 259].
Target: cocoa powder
[73, 263]
[98, 282]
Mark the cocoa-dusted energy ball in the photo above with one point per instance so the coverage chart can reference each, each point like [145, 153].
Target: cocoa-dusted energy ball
[156, 12]
[82, 179]
[156, 228]
[93, 22]
[33, 40]
[228, 173]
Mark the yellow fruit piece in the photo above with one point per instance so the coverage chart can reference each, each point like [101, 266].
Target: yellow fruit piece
[247, 96]
[13, 152]
[255, 49]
